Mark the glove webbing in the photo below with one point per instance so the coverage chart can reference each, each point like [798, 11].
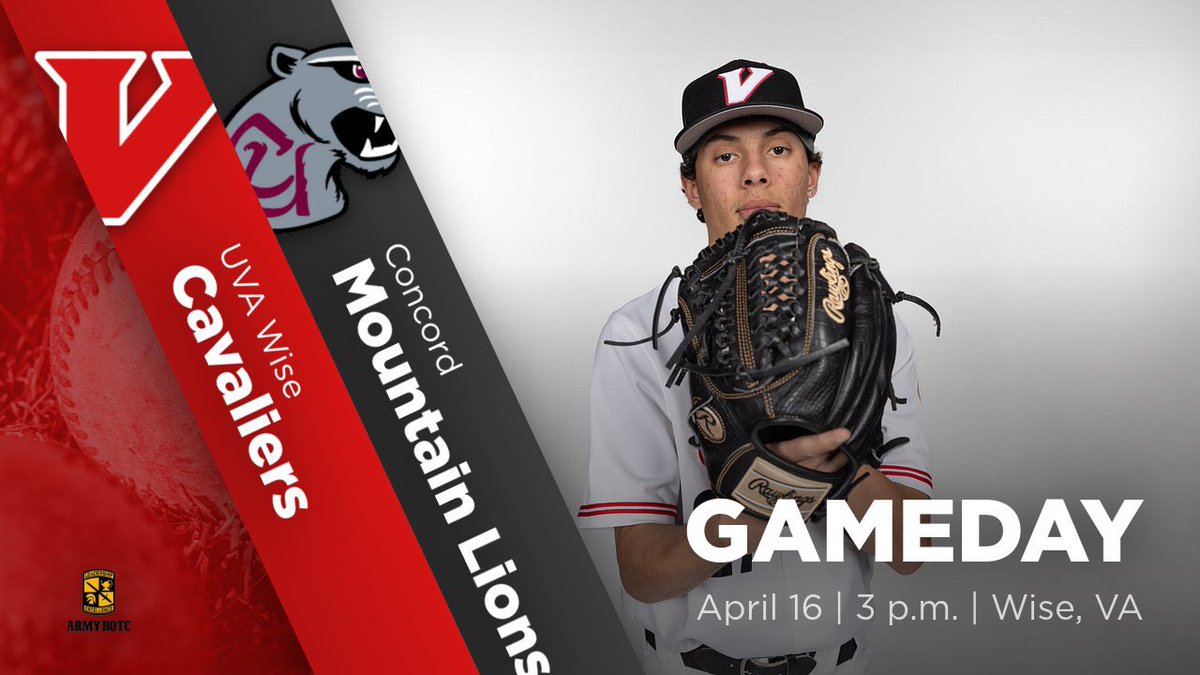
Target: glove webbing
[678, 365]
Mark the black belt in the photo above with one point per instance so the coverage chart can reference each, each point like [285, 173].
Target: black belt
[709, 660]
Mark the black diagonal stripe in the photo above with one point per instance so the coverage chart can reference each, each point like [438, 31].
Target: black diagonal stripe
[483, 424]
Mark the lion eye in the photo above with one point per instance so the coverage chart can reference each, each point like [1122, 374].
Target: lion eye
[351, 71]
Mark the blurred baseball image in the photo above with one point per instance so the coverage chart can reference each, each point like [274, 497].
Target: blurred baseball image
[108, 464]
[59, 509]
[124, 410]
[115, 388]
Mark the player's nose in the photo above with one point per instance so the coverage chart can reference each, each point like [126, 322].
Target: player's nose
[754, 172]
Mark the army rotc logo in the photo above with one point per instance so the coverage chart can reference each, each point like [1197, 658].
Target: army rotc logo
[99, 592]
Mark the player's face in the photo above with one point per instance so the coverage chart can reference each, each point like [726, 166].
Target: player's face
[747, 166]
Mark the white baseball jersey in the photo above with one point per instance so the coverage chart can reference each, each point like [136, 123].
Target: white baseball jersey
[643, 470]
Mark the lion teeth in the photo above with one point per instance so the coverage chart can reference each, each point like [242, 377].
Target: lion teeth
[369, 152]
[378, 122]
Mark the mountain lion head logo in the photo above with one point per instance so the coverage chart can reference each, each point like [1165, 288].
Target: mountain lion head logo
[294, 133]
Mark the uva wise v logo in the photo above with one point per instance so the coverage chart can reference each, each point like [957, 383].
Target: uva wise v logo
[122, 155]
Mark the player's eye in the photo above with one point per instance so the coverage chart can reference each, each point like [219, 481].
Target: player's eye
[779, 150]
[724, 157]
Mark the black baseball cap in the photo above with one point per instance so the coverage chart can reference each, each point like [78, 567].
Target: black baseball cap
[739, 89]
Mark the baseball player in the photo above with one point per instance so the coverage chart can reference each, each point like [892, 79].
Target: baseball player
[747, 144]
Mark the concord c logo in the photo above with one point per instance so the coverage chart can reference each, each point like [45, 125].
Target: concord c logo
[124, 157]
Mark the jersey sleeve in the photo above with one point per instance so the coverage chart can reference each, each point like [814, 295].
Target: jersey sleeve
[908, 464]
[633, 469]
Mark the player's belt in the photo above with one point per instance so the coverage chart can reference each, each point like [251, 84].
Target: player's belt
[709, 660]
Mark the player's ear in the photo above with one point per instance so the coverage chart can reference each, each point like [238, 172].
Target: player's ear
[284, 59]
[691, 191]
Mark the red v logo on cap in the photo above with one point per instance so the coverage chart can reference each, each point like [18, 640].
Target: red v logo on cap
[737, 88]
[123, 158]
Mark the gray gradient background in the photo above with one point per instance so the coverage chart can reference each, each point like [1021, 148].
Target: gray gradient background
[1028, 167]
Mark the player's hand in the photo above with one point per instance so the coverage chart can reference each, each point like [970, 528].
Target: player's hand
[818, 452]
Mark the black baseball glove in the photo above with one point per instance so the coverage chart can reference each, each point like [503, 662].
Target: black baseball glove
[788, 333]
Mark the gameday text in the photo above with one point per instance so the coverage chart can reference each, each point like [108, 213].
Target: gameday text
[877, 522]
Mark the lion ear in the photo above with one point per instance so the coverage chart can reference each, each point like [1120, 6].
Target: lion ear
[284, 59]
